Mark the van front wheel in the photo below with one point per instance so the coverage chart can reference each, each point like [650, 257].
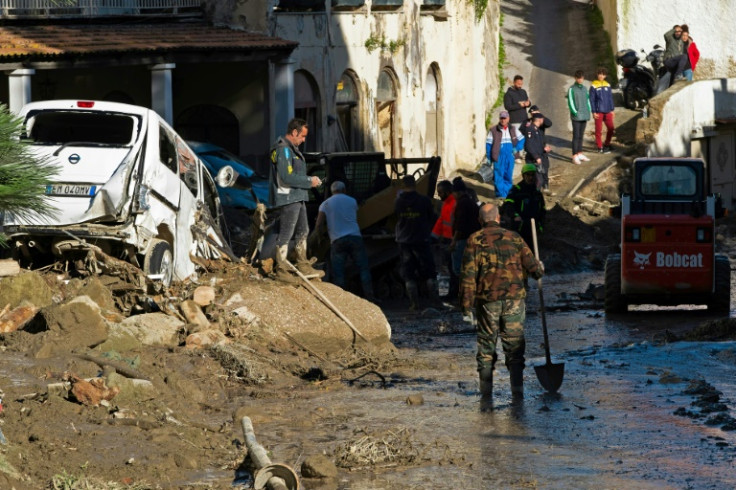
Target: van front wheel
[159, 260]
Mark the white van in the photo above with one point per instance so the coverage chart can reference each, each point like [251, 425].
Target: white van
[126, 183]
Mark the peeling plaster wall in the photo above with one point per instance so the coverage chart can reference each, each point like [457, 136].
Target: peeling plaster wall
[678, 115]
[642, 23]
[465, 52]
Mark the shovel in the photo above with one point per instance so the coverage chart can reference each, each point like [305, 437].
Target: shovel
[550, 375]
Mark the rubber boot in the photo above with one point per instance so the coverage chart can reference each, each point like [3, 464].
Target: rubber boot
[303, 263]
[281, 271]
[412, 291]
[486, 389]
[516, 373]
[433, 292]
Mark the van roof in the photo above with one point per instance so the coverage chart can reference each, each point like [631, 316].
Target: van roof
[84, 105]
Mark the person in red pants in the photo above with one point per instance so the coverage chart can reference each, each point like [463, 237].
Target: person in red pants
[601, 104]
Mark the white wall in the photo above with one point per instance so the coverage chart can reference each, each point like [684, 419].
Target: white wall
[640, 24]
[466, 52]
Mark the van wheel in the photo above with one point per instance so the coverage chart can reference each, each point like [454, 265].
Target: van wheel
[614, 301]
[721, 300]
[160, 260]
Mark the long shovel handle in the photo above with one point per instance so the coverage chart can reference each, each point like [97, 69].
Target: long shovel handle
[541, 296]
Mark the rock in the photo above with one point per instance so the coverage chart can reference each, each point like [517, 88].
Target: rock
[245, 314]
[235, 299]
[17, 318]
[205, 338]
[415, 400]
[76, 324]
[98, 293]
[318, 466]
[131, 391]
[93, 392]
[9, 267]
[193, 314]
[204, 295]
[27, 286]
[154, 329]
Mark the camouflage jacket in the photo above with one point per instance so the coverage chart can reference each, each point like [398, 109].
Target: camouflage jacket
[494, 264]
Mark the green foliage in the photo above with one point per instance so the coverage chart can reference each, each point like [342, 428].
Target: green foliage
[479, 6]
[502, 62]
[23, 176]
[374, 42]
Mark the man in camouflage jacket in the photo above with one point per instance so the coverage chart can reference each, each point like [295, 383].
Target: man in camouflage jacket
[495, 263]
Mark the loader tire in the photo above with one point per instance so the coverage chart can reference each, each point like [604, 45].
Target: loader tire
[614, 301]
[721, 300]
[160, 260]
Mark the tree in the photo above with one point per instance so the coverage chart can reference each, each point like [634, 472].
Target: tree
[23, 175]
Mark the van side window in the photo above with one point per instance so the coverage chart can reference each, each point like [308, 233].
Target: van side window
[167, 150]
[187, 166]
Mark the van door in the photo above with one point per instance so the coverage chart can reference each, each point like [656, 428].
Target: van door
[161, 174]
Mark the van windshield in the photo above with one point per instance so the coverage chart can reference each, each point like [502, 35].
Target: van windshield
[81, 127]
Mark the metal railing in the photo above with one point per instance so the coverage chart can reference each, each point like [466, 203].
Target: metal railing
[18, 9]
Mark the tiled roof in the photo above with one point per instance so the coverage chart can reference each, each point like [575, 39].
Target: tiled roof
[46, 42]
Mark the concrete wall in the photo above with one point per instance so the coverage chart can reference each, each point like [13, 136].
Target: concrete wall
[463, 51]
[640, 24]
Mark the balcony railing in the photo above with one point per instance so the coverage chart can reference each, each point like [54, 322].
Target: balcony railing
[35, 9]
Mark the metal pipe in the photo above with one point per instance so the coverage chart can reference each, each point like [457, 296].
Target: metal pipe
[276, 476]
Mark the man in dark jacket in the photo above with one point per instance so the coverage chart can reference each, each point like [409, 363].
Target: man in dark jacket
[465, 222]
[415, 217]
[289, 186]
[537, 150]
[547, 123]
[523, 203]
[516, 101]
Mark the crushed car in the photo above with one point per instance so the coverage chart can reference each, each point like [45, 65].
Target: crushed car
[127, 185]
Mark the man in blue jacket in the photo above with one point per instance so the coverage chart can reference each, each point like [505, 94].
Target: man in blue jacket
[289, 186]
[501, 143]
[601, 104]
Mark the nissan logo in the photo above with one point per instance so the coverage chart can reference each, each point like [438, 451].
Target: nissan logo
[74, 158]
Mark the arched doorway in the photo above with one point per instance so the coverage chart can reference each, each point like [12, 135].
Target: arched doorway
[433, 127]
[210, 124]
[347, 100]
[306, 106]
[386, 95]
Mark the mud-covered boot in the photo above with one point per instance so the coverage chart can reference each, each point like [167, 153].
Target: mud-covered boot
[516, 373]
[281, 271]
[433, 292]
[412, 291]
[486, 389]
[303, 263]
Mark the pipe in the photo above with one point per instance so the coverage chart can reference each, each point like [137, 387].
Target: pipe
[267, 475]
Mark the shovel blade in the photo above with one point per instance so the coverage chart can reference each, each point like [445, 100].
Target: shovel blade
[550, 376]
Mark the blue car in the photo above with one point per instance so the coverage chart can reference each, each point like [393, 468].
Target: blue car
[214, 158]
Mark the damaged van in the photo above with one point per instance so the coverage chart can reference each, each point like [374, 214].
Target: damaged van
[126, 184]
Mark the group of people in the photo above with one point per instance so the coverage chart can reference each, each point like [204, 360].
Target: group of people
[681, 55]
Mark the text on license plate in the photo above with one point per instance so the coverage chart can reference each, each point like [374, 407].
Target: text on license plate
[71, 190]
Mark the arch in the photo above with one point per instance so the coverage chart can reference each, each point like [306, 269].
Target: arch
[307, 107]
[347, 101]
[386, 105]
[433, 135]
[210, 123]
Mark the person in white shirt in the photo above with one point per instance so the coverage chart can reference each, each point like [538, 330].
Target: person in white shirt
[340, 213]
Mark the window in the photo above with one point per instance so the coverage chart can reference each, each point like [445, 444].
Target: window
[80, 127]
[669, 180]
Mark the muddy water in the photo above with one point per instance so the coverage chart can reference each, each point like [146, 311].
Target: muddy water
[611, 426]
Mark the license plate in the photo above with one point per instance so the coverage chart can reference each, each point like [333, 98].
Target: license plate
[71, 190]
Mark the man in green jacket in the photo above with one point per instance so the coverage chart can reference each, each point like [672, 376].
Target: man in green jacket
[289, 186]
[578, 101]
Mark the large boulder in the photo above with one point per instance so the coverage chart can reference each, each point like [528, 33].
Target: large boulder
[73, 325]
[154, 329]
[27, 286]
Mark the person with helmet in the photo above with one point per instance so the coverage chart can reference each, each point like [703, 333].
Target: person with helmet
[523, 203]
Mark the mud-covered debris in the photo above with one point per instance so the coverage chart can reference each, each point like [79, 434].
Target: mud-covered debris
[204, 295]
[318, 466]
[205, 338]
[684, 412]
[723, 419]
[721, 329]
[415, 400]
[9, 267]
[17, 318]
[239, 362]
[368, 449]
[91, 393]
[701, 387]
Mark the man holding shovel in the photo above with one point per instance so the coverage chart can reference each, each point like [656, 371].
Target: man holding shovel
[494, 265]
